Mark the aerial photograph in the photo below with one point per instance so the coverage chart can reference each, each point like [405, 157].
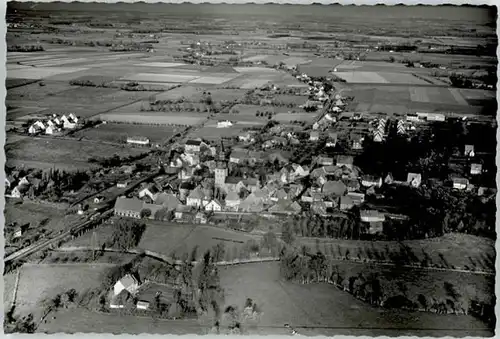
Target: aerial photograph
[250, 169]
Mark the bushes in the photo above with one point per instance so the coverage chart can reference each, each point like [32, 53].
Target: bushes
[25, 48]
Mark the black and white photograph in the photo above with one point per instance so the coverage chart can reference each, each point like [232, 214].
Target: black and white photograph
[250, 169]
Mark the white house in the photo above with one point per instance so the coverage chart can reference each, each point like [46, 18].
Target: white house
[122, 184]
[460, 183]
[142, 305]
[67, 124]
[195, 198]
[213, 205]
[50, 130]
[32, 129]
[40, 124]
[476, 169]
[414, 179]
[371, 216]
[138, 140]
[224, 124]
[369, 181]
[193, 145]
[469, 151]
[128, 282]
[74, 118]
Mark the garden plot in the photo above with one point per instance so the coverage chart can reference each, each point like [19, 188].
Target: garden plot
[41, 73]
[211, 132]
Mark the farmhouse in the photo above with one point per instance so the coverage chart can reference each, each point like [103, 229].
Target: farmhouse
[414, 179]
[138, 140]
[371, 216]
[370, 180]
[476, 169]
[129, 282]
[469, 151]
[345, 160]
[213, 205]
[194, 145]
[460, 183]
[126, 207]
[224, 124]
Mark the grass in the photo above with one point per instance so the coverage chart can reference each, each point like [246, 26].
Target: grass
[84, 321]
[55, 279]
[458, 251]
[118, 133]
[34, 91]
[181, 239]
[65, 152]
[323, 305]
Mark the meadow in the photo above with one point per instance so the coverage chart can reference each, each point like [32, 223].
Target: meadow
[52, 280]
[324, 309]
[46, 153]
[118, 133]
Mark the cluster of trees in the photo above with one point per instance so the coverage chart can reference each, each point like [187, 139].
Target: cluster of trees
[14, 324]
[305, 267]
[127, 234]
[310, 225]
[267, 114]
[25, 48]
[115, 160]
[236, 321]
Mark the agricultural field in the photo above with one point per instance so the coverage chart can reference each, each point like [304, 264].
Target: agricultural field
[363, 77]
[52, 280]
[459, 251]
[312, 305]
[68, 154]
[36, 92]
[401, 99]
[118, 133]
[288, 117]
[27, 72]
[20, 112]
[181, 239]
[211, 132]
[155, 118]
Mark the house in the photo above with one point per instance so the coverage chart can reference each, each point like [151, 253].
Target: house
[412, 117]
[129, 283]
[476, 169]
[190, 159]
[121, 184]
[138, 140]
[357, 141]
[232, 201]
[252, 203]
[300, 171]
[238, 156]
[356, 197]
[436, 117]
[194, 145]
[336, 188]
[152, 191]
[346, 203]
[469, 151]
[414, 179]
[246, 137]
[213, 205]
[126, 207]
[314, 136]
[67, 124]
[371, 216]
[401, 129]
[19, 230]
[324, 161]
[331, 140]
[186, 173]
[285, 207]
[460, 183]
[195, 198]
[50, 130]
[33, 129]
[378, 136]
[252, 184]
[181, 212]
[375, 227]
[168, 200]
[73, 118]
[310, 196]
[233, 184]
[351, 184]
[280, 194]
[370, 180]
[119, 301]
[345, 160]
[200, 218]
[224, 124]
[98, 199]
[142, 305]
